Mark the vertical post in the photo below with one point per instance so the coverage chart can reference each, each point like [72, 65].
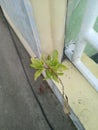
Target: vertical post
[88, 22]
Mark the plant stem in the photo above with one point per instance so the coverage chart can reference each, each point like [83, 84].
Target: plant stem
[66, 106]
[63, 89]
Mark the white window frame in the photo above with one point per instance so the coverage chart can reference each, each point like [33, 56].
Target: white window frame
[87, 34]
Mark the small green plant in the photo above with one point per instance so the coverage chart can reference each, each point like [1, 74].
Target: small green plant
[52, 68]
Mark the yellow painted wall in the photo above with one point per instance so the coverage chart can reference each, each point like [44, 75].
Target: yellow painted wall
[50, 20]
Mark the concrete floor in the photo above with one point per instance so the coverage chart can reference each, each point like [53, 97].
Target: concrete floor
[22, 105]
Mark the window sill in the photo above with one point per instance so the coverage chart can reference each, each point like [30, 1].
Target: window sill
[83, 99]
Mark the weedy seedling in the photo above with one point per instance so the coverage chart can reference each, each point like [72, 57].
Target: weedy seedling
[53, 69]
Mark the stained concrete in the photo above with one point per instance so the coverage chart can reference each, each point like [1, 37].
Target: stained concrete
[19, 109]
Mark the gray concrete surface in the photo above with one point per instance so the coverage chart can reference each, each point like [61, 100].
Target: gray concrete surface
[19, 109]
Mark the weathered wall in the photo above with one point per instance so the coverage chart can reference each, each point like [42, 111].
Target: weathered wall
[50, 19]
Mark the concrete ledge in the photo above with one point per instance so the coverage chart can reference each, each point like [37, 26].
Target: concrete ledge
[83, 99]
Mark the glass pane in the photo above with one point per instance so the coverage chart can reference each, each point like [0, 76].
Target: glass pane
[90, 59]
[75, 13]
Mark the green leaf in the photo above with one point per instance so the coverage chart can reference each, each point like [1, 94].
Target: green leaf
[48, 58]
[48, 73]
[55, 78]
[60, 74]
[50, 64]
[54, 60]
[61, 67]
[55, 54]
[37, 64]
[31, 65]
[37, 74]
[55, 67]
